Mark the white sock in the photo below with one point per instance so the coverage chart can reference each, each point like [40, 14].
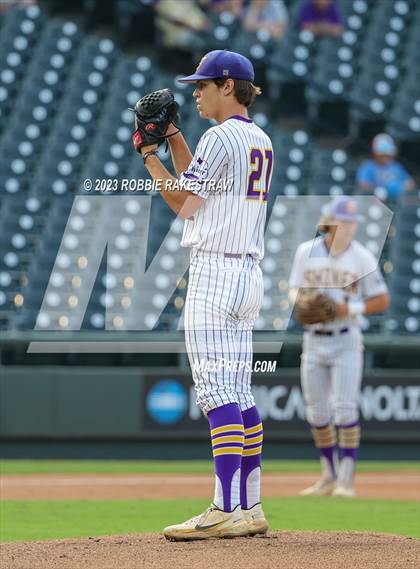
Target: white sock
[218, 493]
[235, 490]
[253, 487]
[346, 471]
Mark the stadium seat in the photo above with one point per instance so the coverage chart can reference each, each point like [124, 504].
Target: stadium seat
[290, 61]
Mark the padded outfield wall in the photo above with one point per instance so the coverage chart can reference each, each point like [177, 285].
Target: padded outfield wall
[150, 412]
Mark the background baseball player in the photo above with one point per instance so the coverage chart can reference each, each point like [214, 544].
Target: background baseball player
[225, 231]
[347, 284]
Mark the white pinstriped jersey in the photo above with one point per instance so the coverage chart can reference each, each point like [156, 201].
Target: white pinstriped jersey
[231, 169]
[351, 275]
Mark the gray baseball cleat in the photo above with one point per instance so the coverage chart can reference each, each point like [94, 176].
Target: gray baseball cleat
[343, 491]
[324, 487]
[211, 523]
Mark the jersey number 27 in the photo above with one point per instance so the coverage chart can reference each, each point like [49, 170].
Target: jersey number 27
[258, 190]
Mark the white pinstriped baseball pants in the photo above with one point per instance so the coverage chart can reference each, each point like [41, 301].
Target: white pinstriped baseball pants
[223, 301]
[331, 376]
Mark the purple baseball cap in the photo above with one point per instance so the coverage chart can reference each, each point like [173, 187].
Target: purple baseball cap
[221, 63]
[343, 208]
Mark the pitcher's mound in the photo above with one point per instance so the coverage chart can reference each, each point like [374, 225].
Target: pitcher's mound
[283, 550]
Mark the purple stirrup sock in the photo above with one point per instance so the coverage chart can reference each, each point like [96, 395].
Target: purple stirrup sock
[350, 452]
[326, 442]
[328, 453]
[251, 458]
[227, 439]
[349, 440]
[348, 443]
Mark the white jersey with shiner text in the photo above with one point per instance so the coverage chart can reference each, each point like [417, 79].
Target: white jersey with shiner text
[351, 275]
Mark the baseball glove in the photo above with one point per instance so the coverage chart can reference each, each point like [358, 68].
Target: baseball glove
[154, 113]
[314, 307]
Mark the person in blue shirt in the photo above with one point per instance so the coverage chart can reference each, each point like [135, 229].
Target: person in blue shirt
[383, 175]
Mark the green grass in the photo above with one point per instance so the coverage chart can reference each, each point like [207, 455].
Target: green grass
[39, 520]
[178, 467]
[30, 520]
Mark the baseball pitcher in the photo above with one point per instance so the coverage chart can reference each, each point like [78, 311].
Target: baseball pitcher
[221, 193]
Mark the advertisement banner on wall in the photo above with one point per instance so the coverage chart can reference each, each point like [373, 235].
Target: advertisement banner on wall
[389, 404]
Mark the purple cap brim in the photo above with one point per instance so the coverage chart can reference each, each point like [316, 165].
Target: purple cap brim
[195, 77]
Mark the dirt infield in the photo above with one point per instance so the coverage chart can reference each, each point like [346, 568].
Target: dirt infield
[285, 550]
[387, 485]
